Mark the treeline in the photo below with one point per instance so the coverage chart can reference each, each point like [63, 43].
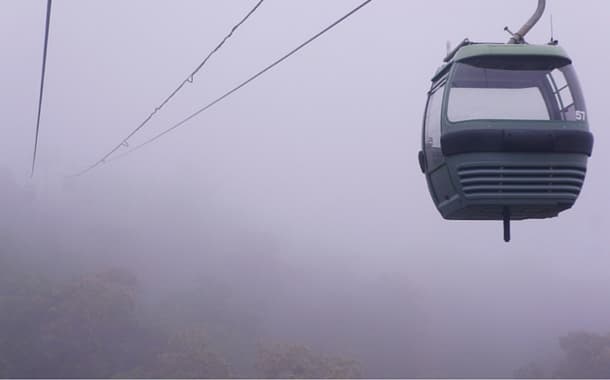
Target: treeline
[230, 308]
[93, 327]
[585, 355]
[211, 299]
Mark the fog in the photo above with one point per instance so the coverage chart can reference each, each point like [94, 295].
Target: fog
[294, 212]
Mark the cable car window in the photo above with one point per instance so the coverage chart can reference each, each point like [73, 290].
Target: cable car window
[497, 103]
[432, 126]
[514, 94]
[564, 100]
[577, 111]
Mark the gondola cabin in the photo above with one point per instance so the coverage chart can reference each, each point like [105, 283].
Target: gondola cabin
[505, 133]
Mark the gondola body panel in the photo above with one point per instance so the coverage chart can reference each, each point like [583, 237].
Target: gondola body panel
[505, 129]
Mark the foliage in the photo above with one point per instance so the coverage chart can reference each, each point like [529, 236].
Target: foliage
[530, 371]
[299, 362]
[90, 327]
[186, 355]
[85, 328]
[586, 355]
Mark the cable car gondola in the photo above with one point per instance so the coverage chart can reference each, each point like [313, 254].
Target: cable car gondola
[505, 133]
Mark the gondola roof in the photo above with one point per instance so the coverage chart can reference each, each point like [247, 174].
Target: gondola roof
[494, 54]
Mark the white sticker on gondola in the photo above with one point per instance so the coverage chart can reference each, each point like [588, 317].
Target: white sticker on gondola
[581, 115]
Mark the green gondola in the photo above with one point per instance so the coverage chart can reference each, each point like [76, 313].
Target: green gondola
[505, 133]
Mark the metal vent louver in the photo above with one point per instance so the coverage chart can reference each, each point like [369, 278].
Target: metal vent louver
[521, 180]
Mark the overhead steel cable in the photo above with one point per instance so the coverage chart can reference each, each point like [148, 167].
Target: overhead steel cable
[239, 86]
[44, 66]
[189, 79]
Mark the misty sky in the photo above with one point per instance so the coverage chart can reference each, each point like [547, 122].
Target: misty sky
[318, 156]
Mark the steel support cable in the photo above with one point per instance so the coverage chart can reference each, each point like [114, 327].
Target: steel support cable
[241, 85]
[42, 75]
[189, 79]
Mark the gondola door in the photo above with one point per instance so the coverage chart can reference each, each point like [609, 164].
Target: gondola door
[432, 159]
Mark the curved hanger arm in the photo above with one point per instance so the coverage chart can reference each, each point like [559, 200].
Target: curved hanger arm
[517, 37]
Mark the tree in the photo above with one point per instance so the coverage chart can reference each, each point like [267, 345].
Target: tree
[530, 371]
[299, 362]
[84, 328]
[90, 329]
[24, 304]
[186, 355]
[586, 355]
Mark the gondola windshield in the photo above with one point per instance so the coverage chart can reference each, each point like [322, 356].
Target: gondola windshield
[515, 93]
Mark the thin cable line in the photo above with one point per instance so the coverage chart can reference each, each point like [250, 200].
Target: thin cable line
[240, 86]
[44, 65]
[189, 79]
